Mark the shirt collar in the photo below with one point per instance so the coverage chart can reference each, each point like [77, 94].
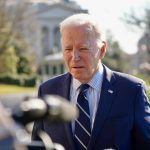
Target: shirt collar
[95, 82]
[97, 79]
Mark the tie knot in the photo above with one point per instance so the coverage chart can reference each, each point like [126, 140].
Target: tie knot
[84, 87]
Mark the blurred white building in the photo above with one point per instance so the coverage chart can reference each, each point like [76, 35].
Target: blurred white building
[49, 14]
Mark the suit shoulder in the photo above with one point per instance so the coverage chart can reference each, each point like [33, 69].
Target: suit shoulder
[128, 78]
[55, 80]
[129, 82]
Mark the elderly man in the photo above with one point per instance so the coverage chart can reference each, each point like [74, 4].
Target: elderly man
[113, 106]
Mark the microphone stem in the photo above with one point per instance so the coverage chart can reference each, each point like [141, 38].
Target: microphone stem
[46, 140]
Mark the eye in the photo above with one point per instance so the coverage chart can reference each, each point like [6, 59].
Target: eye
[68, 49]
[84, 49]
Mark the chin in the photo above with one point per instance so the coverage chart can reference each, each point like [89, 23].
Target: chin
[77, 77]
[82, 78]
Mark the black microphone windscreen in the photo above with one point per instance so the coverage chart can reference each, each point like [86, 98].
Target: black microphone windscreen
[29, 110]
[60, 109]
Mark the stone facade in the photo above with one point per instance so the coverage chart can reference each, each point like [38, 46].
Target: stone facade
[48, 49]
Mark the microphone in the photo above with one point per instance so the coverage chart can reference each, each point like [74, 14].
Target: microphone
[54, 109]
[60, 110]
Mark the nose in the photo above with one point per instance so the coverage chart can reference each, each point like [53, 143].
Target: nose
[76, 55]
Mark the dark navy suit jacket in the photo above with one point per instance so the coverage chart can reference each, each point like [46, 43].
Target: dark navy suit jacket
[123, 117]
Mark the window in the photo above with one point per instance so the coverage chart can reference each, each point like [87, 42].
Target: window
[54, 70]
[61, 68]
[56, 34]
[47, 69]
[45, 40]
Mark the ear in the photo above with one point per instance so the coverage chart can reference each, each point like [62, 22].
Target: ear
[102, 49]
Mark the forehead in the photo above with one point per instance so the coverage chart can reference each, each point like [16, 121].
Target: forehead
[78, 32]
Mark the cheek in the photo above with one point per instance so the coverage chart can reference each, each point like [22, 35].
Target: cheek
[66, 58]
[90, 59]
[91, 63]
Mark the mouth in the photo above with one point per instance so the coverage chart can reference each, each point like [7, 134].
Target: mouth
[77, 67]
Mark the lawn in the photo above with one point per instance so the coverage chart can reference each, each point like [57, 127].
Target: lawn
[13, 89]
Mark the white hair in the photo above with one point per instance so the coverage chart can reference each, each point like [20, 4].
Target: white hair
[82, 19]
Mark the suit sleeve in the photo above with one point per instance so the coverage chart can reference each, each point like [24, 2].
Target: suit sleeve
[142, 120]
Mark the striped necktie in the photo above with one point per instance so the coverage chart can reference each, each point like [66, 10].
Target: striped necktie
[82, 124]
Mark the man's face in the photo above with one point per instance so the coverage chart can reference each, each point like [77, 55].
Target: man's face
[81, 53]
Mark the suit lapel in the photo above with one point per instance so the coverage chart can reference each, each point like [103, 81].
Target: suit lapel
[64, 88]
[105, 103]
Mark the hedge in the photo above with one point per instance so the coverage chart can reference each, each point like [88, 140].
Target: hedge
[21, 80]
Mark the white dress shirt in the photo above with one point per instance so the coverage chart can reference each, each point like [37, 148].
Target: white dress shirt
[93, 93]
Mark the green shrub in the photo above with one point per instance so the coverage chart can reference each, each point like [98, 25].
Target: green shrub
[148, 94]
[21, 80]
